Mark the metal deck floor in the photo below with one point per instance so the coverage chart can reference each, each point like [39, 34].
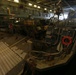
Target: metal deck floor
[12, 53]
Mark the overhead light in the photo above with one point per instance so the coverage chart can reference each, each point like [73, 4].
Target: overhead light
[35, 5]
[50, 10]
[38, 7]
[30, 4]
[17, 1]
[45, 8]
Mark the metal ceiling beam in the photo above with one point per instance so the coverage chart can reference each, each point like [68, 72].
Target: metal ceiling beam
[68, 4]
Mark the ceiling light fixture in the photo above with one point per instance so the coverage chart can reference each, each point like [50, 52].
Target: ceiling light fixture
[17, 1]
[38, 7]
[45, 8]
[30, 4]
[50, 10]
[35, 5]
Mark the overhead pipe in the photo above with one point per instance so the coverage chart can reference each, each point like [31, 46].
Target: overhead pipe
[68, 5]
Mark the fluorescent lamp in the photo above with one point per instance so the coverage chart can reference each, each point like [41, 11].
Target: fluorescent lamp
[50, 10]
[35, 5]
[38, 7]
[30, 4]
[17, 1]
[45, 8]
